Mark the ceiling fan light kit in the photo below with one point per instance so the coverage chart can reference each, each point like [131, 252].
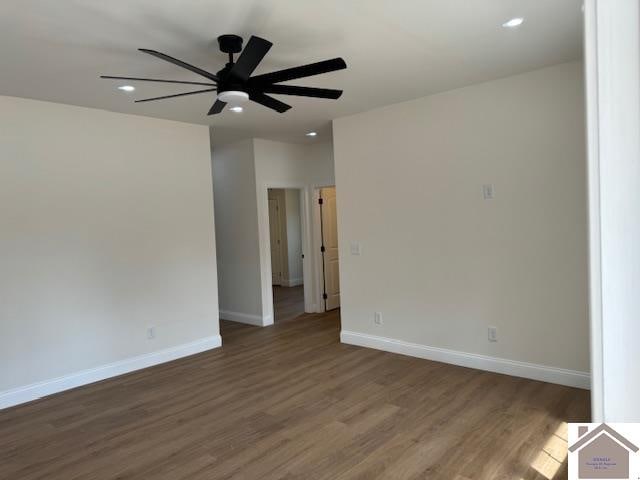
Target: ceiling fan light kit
[235, 85]
[233, 97]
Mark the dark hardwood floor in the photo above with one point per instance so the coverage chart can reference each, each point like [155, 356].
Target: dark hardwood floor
[290, 402]
[288, 302]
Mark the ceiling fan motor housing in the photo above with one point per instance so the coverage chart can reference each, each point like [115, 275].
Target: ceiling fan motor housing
[227, 84]
[230, 91]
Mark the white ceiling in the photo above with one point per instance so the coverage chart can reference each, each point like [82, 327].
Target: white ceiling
[395, 50]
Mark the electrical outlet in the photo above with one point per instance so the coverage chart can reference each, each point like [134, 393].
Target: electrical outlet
[487, 191]
[493, 334]
[377, 318]
[151, 333]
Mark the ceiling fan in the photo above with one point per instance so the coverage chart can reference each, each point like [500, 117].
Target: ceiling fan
[234, 82]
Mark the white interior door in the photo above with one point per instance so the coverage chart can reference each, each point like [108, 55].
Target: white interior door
[330, 243]
[275, 240]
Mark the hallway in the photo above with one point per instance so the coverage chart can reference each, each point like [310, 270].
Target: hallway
[288, 302]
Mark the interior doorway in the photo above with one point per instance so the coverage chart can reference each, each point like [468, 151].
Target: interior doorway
[286, 245]
[329, 248]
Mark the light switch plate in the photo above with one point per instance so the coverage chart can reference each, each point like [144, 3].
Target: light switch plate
[487, 191]
[492, 334]
[355, 248]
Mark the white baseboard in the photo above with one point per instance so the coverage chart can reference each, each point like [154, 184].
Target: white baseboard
[34, 391]
[247, 318]
[571, 378]
[292, 282]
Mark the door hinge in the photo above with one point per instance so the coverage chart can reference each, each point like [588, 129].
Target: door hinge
[325, 296]
[320, 201]
[322, 248]
[303, 255]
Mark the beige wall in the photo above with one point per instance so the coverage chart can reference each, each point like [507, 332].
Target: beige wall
[106, 229]
[440, 263]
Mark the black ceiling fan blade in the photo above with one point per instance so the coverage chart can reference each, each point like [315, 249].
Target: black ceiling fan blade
[250, 58]
[300, 72]
[110, 77]
[302, 91]
[176, 95]
[180, 63]
[269, 102]
[217, 107]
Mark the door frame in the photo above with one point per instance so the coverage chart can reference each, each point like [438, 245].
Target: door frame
[308, 264]
[612, 92]
[590, 46]
[317, 237]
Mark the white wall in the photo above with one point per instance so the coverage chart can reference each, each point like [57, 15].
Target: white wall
[294, 236]
[292, 163]
[612, 42]
[234, 186]
[440, 263]
[106, 229]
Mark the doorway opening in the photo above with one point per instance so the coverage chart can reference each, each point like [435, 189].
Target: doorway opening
[286, 243]
[330, 271]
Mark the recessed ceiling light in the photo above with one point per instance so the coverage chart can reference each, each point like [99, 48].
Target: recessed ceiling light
[126, 88]
[236, 109]
[311, 134]
[513, 23]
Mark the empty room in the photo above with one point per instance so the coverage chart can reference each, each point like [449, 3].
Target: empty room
[339, 240]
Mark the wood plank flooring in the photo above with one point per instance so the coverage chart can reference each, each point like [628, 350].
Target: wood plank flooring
[290, 402]
[288, 302]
